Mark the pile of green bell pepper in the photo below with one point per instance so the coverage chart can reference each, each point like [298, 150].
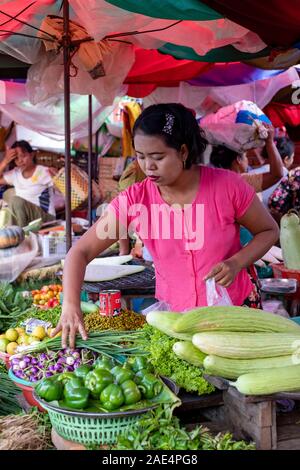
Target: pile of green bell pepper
[106, 383]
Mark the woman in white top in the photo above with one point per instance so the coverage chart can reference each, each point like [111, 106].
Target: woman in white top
[33, 185]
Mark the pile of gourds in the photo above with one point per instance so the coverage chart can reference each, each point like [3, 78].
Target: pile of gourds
[10, 236]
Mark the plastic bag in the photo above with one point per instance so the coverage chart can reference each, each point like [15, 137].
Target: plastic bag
[158, 306]
[13, 261]
[239, 126]
[215, 294]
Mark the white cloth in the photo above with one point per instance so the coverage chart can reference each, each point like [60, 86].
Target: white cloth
[267, 192]
[38, 189]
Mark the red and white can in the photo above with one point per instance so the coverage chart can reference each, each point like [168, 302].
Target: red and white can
[110, 303]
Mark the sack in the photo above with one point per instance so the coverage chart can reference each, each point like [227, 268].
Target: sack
[215, 294]
[79, 187]
[239, 126]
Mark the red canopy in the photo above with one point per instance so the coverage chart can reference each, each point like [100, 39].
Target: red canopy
[152, 69]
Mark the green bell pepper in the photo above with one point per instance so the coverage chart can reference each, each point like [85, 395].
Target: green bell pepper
[77, 398]
[131, 392]
[122, 374]
[112, 397]
[104, 363]
[150, 386]
[82, 371]
[49, 389]
[64, 377]
[138, 363]
[71, 383]
[97, 380]
[139, 375]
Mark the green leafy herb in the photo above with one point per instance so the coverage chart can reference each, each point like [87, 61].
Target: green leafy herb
[160, 349]
[159, 430]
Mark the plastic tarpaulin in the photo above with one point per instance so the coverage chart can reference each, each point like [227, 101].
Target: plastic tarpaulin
[101, 18]
[207, 99]
[275, 21]
[47, 118]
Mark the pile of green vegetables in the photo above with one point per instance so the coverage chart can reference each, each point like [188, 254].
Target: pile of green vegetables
[8, 395]
[106, 386]
[159, 347]
[159, 430]
[12, 305]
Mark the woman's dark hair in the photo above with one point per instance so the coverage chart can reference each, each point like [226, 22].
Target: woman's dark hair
[177, 125]
[285, 147]
[223, 157]
[22, 144]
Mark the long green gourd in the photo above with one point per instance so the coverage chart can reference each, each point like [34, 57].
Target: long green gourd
[233, 368]
[269, 381]
[233, 318]
[290, 239]
[240, 345]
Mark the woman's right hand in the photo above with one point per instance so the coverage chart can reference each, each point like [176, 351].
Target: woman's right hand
[10, 155]
[70, 322]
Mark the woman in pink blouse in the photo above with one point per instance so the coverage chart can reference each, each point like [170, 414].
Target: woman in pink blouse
[187, 215]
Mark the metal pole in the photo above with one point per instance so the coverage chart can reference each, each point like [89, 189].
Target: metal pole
[90, 188]
[66, 55]
[96, 154]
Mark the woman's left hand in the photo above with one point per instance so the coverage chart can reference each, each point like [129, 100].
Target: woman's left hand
[224, 272]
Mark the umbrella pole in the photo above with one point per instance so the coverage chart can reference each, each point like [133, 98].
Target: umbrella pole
[66, 56]
[90, 187]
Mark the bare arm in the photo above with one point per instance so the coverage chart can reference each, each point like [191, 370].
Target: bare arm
[97, 239]
[276, 165]
[9, 156]
[265, 230]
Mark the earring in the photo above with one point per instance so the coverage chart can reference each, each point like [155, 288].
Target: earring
[184, 164]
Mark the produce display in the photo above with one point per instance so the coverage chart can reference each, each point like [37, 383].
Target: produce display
[14, 339]
[290, 239]
[36, 366]
[12, 305]
[106, 386]
[165, 361]
[47, 296]
[159, 430]
[8, 396]
[259, 349]
[127, 320]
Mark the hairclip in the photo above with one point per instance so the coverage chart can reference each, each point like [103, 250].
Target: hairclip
[168, 127]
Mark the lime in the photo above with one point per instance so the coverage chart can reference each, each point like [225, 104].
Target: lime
[3, 344]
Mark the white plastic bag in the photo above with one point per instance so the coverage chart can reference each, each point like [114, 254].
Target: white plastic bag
[158, 306]
[216, 295]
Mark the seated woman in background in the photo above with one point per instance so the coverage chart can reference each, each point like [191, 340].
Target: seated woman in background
[33, 196]
[223, 157]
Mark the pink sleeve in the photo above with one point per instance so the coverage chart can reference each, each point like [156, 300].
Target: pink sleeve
[241, 193]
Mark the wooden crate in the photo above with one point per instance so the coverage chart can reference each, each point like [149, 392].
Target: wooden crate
[255, 418]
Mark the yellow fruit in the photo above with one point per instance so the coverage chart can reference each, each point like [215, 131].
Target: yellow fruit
[37, 297]
[11, 348]
[11, 334]
[20, 330]
[23, 339]
[2, 335]
[39, 332]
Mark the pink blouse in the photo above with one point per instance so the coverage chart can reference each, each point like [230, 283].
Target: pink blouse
[186, 243]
